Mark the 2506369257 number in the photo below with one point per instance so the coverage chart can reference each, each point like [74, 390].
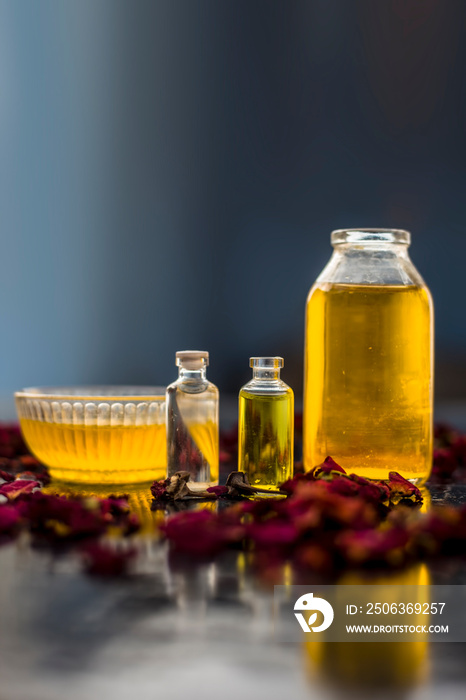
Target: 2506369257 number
[404, 608]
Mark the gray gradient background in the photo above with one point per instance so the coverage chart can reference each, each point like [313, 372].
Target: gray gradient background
[170, 172]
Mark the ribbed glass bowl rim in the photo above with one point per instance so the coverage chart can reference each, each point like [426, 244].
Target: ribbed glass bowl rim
[93, 394]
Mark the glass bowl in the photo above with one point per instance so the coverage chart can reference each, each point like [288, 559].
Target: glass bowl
[97, 434]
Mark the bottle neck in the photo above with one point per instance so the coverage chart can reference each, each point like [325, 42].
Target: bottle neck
[185, 374]
[371, 244]
[266, 373]
[376, 249]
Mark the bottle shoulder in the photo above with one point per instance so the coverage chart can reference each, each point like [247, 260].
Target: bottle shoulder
[265, 389]
[208, 389]
[375, 267]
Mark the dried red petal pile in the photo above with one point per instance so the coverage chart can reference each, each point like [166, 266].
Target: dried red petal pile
[329, 521]
[64, 518]
[15, 458]
[203, 533]
[10, 519]
[58, 521]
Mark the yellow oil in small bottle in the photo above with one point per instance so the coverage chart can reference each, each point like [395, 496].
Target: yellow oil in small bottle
[98, 454]
[265, 426]
[368, 387]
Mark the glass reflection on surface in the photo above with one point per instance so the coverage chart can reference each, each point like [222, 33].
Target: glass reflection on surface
[426, 500]
[139, 500]
[380, 665]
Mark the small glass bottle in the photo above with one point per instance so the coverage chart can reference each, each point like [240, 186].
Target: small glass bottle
[192, 422]
[265, 426]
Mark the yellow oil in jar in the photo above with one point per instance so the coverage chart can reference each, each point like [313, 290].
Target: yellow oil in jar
[368, 379]
[265, 438]
[98, 454]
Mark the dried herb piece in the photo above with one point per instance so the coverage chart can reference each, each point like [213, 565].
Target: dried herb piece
[176, 488]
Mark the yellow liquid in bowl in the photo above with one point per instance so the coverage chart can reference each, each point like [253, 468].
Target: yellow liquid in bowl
[98, 454]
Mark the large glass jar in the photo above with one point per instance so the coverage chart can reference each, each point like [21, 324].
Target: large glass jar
[368, 386]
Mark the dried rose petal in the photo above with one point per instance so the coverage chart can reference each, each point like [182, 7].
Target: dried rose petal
[7, 451]
[314, 556]
[194, 533]
[132, 524]
[6, 476]
[402, 490]
[17, 488]
[201, 533]
[290, 485]
[9, 519]
[273, 533]
[218, 490]
[377, 493]
[56, 516]
[328, 465]
[28, 462]
[102, 560]
[114, 506]
[159, 489]
[374, 546]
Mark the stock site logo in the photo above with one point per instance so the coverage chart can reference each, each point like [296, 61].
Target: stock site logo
[307, 603]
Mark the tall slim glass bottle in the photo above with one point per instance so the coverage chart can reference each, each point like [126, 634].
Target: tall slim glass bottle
[265, 425]
[368, 388]
[192, 421]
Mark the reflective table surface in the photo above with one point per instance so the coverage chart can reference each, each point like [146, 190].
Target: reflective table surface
[174, 630]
